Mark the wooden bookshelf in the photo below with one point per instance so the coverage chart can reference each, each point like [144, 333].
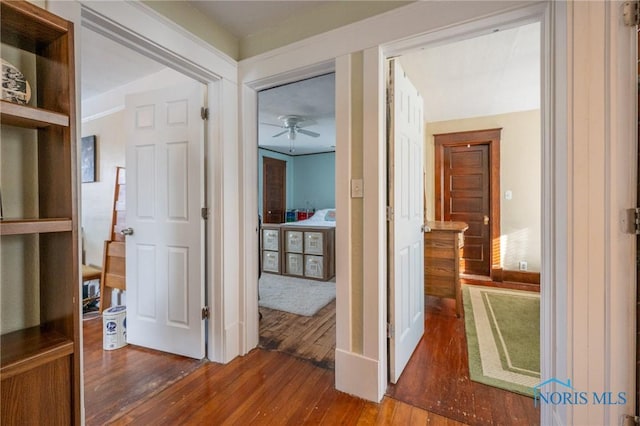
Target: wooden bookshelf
[30, 117]
[25, 349]
[40, 355]
[35, 226]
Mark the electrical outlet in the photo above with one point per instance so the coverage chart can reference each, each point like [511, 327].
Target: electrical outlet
[522, 265]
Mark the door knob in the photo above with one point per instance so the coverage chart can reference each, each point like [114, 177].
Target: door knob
[127, 231]
[486, 220]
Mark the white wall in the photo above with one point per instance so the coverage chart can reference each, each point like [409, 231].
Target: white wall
[97, 197]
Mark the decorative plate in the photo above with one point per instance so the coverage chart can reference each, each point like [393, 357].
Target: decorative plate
[15, 88]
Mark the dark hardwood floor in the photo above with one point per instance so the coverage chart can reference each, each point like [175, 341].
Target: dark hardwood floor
[135, 386]
[312, 338]
[115, 381]
[437, 376]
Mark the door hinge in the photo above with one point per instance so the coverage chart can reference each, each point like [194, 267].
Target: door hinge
[391, 331]
[389, 213]
[633, 221]
[205, 312]
[204, 212]
[628, 420]
[204, 113]
[631, 13]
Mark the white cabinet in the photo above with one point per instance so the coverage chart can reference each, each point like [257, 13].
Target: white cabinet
[270, 249]
[294, 264]
[271, 239]
[293, 241]
[313, 243]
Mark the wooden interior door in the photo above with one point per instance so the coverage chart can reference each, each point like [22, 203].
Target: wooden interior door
[274, 190]
[466, 196]
[406, 236]
[467, 190]
[165, 229]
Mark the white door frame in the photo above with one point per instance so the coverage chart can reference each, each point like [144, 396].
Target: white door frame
[137, 26]
[569, 342]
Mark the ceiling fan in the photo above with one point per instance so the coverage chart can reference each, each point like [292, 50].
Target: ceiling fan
[291, 126]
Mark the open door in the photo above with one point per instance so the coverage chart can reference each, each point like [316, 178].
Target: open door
[406, 200]
[165, 230]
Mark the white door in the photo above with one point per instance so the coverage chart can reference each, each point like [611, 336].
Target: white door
[406, 239]
[164, 255]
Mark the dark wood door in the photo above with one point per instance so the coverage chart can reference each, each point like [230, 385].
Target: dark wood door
[274, 190]
[466, 199]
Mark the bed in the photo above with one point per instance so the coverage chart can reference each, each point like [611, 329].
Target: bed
[304, 249]
[324, 217]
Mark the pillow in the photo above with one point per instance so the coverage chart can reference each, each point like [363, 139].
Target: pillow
[330, 216]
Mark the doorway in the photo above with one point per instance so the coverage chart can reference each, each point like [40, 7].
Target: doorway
[467, 189]
[296, 192]
[105, 117]
[468, 172]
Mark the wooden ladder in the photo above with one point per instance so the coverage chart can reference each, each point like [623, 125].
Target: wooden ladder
[113, 264]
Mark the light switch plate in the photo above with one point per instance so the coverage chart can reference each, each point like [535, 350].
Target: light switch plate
[356, 188]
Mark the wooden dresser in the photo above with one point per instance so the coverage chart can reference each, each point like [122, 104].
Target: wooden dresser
[298, 251]
[442, 260]
[308, 252]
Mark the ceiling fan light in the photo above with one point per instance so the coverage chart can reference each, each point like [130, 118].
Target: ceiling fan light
[292, 133]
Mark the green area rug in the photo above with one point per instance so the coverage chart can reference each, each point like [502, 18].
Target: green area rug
[503, 337]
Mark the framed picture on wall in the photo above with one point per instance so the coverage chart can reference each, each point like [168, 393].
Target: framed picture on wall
[88, 159]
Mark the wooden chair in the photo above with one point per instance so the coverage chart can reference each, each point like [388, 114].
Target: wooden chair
[113, 271]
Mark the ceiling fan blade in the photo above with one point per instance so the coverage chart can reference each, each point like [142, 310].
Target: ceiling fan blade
[280, 134]
[269, 124]
[308, 133]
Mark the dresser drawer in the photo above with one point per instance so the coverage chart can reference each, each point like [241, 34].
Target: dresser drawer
[314, 266]
[313, 243]
[293, 241]
[271, 239]
[294, 264]
[271, 261]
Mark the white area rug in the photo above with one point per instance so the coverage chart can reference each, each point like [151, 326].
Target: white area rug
[295, 295]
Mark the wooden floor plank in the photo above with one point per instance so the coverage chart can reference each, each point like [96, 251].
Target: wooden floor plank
[116, 380]
[312, 338]
[132, 386]
[436, 378]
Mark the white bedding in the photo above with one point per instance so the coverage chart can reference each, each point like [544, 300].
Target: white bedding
[318, 219]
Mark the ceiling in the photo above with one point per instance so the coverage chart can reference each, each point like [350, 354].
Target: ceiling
[313, 99]
[491, 74]
[245, 18]
[487, 75]
[107, 64]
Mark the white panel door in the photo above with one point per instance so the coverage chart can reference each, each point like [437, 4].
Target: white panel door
[406, 239]
[164, 254]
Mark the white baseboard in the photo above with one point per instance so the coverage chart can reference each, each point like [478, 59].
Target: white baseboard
[358, 375]
[231, 342]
